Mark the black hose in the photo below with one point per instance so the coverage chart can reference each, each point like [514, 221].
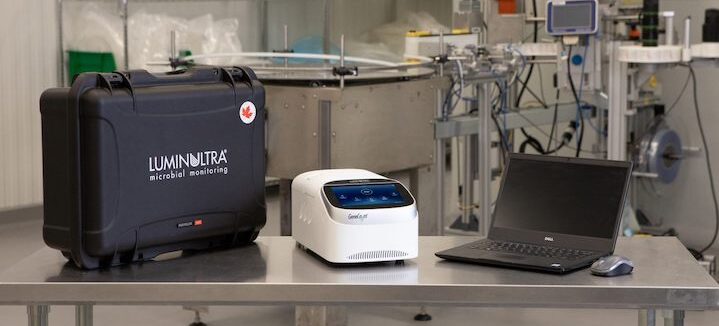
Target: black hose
[554, 120]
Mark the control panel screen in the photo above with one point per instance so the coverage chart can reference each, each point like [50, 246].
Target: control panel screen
[383, 195]
[577, 16]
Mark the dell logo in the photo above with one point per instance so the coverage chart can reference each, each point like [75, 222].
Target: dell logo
[549, 239]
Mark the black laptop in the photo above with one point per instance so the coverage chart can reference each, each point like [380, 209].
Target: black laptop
[553, 214]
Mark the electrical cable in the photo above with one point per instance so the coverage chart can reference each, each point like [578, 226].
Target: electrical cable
[504, 112]
[554, 119]
[581, 90]
[531, 66]
[447, 97]
[498, 107]
[681, 94]
[449, 106]
[541, 83]
[708, 160]
[518, 75]
[504, 146]
[539, 129]
[530, 139]
[657, 120]
[531, 92]
[461, 78]
[561, 145]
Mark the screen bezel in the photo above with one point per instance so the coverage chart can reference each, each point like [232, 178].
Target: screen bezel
[594, 26]
[326, 189]
[604, 245]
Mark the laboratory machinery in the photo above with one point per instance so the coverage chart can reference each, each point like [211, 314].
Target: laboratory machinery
[354, 216]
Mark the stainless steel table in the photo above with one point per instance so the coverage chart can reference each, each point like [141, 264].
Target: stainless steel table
[275, 272]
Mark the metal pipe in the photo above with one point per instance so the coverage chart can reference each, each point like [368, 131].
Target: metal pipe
[621, 18]
[125, 34]
[326, 32]
[687, 32]
[37, 315]
[83, 315]
[286, 44]
[61, 54]
[439, 147]
[263, 24]
[467, 181]
[645, 175]
[342, 60]
[669, 27]
[173, 44]
[485, 18]
[439, 175]
[441, 43]
[531, 19]
[647, 317]
[616, 116]
[483, 159]
[678, 317]
[687, 51]
[325, 134]
[419, 58]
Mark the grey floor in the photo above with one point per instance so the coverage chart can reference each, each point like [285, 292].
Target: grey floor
[20, 237]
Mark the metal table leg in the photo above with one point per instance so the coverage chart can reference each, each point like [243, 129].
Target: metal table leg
[647, 317]
[285, 207]
[674, 318]
[37, 315]
[83, 315]
[485, 164]
[439, 179]
[320, 316]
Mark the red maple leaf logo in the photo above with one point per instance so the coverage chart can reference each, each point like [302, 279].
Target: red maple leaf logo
[247, 112]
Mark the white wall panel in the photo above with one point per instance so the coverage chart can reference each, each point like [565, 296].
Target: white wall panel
[28, 55]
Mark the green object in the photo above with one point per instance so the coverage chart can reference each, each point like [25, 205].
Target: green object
[82, 61]
[185, 53]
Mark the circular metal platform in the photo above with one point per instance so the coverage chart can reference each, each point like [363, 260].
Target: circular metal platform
[323, 74]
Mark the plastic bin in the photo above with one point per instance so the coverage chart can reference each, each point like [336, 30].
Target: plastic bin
[83, 61]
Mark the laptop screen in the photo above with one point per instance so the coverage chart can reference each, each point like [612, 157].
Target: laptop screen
[576, 197]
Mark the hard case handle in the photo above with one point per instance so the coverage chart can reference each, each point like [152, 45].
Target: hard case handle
[196, 75]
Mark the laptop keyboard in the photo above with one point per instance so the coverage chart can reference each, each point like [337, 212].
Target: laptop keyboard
[532, 250]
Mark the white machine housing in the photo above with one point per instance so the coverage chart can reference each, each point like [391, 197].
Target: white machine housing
[427, 45]
[340, 233]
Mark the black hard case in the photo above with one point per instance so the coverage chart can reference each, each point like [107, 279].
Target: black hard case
[99, 138]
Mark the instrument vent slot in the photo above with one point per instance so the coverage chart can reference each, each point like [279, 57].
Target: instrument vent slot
[378, 254]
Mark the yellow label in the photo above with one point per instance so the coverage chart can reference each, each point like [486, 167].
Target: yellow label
[653, 82]
[418, 33]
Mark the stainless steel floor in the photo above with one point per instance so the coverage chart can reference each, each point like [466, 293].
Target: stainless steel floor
[20, 236]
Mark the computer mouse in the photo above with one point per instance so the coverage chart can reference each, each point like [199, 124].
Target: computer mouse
[612, 266]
